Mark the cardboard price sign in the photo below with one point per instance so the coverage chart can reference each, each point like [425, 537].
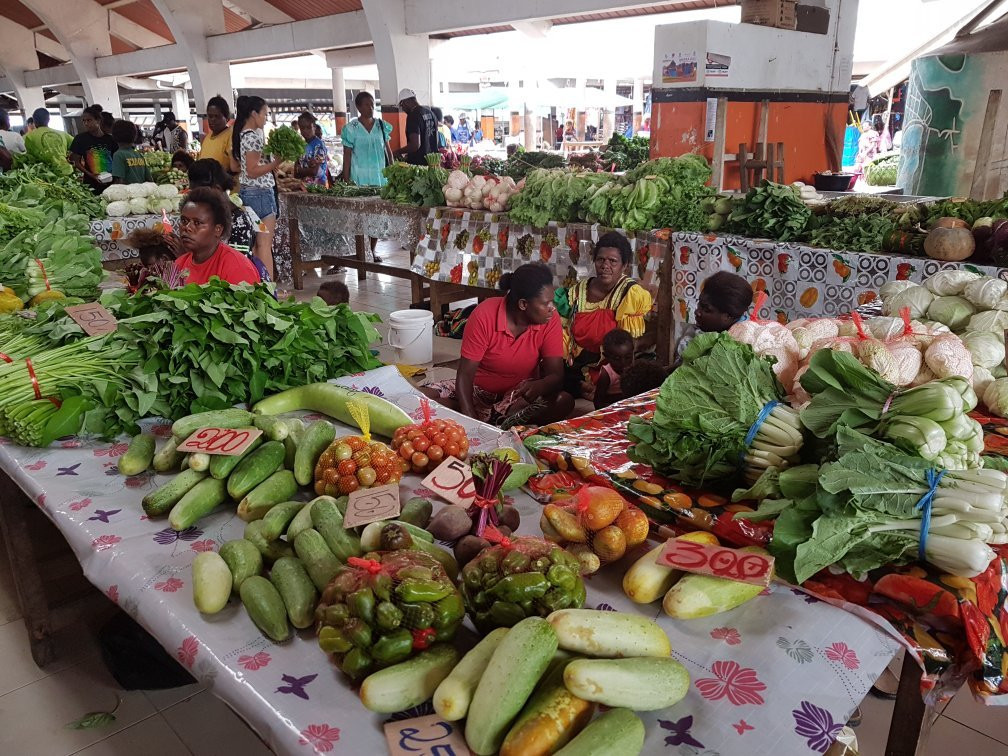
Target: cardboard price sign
[425, 736]
[227, 442]
[453, 482]
[718, 561]
[93, 318]
[372, 504]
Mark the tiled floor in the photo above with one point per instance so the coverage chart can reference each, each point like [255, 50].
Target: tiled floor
[37, 705]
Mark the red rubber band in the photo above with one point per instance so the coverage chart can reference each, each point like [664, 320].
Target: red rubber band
[5, 358]
[34, 380]
[44, 276]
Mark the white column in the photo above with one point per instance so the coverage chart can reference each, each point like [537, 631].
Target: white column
[638, 103]
[339, 96]
[17, 55]
[403, 59]
[84, 34]
[191, 22]
[180, 107]
[529, 125]
[609, 114]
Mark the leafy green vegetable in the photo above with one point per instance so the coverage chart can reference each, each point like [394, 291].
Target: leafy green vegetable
[864, 233]
[521, 163]
[770, 211]
[285, 143]
[882, 171]
[622, 154]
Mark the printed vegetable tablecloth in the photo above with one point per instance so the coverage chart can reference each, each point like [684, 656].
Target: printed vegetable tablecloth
[779, 675]
[108, 233]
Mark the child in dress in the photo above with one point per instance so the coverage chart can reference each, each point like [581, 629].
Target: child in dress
[724, 300]
[334, 293]
[617, 355]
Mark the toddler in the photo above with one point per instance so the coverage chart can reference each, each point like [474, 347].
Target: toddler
[617, 355]
[334, 293]
[724, 299]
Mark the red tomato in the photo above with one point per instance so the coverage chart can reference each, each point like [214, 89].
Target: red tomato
[451, 449]
[421, 443]
[440, 439]
[435, 453]
[419, 460]
[406, 450]
[346, 467]
[348, 484]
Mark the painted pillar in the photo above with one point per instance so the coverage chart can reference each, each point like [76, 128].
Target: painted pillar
[339, 94]
[180, 107]
[638, 103]
[609, 114]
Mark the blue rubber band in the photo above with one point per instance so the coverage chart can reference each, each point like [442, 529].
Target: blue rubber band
[757, 424]
[924, 505]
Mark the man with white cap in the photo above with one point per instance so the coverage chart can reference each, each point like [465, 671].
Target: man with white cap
[421, 129]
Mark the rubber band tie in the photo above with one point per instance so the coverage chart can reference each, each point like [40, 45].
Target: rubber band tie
[757, 424]
[934, 478]
[44, 276]
[34, 379]
[888, 402]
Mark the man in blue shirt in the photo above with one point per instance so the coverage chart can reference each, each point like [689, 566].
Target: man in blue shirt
[462, 133]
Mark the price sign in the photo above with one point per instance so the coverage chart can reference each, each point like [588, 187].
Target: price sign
[93, 318]
[425, 736]
[452, 481]
[371, 505]
[224, 441]
[733, 564]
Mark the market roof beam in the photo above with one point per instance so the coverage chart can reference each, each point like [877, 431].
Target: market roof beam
[18, 59]
[342, 30]
[132, 32]
[432, 17]
[262, 11]
[351, 56]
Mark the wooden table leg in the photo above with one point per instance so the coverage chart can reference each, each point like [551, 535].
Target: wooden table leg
[416, 289]
[359, 241]
[294, 241]
[908, 724]
[435, 299]
[24, 568]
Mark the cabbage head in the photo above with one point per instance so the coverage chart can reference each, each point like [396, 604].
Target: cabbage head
[987, 348]
[991, 320]
[953, 311]
[996, 397]
[138, 206]
[916, 297]
[985, 292]
[892, 288]
[948, 283]
[982, 378]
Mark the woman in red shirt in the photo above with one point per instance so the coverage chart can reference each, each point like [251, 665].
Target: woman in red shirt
[511, 370]
[205, 221]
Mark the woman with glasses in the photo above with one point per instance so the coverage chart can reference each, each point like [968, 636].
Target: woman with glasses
[591, 308]
[205, 221]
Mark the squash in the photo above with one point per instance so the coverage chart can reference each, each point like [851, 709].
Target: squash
[950, 223]
[949, 244]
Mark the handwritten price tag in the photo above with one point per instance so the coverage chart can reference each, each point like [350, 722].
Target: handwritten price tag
[425, 736]
[452, 481]
[93, 318]
[228, 442]
[733, 564]
[371, 505]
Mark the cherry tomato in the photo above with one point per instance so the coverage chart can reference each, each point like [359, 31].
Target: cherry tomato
[320, 487]
[414, 433]
[435, 453]
[331, 475]
[406, 450]
[343, 451]
[347, 467]
[451, 449]
[464, 446]
[362, 458]
[439, 425]
[440, 439]
[420, 460]
[367, 476]
[420, 443]
[454, 436]
[354, 442]
[348, 484]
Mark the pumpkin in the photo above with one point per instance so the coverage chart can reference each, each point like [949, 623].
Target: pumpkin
[950, 223]
[949, 244]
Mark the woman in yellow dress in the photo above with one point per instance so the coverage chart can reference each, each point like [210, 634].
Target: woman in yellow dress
[591, 308]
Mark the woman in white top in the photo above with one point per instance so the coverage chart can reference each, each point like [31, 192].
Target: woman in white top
[255, 174]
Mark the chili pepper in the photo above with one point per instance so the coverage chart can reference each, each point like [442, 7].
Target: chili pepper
[541, 565]
[472, 576]
[489, 564]
[515, 561]
[415, 590]
[417, 616]
[558, 555]
[336, 614]
[381, 584]
[491, 579]
[527, 585]
[418, 572]
[448, 610]
[358, 633]
[333, 641]
[578, 595]
[561, 577]
[505, 614]
[557, 599]
[362, 604]
[388, 616]
[423, 638]
[356, 664]
[481, 600]
[393, 648]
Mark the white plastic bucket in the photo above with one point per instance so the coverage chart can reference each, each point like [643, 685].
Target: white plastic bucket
[411, 335]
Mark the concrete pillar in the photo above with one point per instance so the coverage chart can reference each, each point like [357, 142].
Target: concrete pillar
[638, 103]
[609, 114]
[403, 61]
[191, 22]
[84, 34]
[180, 107]
[17, 55]
[339, 95]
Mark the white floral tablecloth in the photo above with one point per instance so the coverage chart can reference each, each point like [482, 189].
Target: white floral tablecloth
[779, 675]
[108, 234]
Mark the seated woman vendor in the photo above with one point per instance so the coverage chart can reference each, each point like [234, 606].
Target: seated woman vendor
[205, 220]
[511, 369]
[591, 308]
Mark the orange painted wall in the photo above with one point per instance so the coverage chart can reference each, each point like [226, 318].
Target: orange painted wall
[487, 126]
[397, 139]
[678, 128]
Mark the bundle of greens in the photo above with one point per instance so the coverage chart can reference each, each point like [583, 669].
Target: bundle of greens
[929, 420]
[62, 259]
[39, 182]
[415, 185]
[622, 153]
[716, 416]
[341, 189]
[521, 163]
[865, 233]
[556, 195]
[399, 182]
[285, 143]
[868, 508]
[770, 211]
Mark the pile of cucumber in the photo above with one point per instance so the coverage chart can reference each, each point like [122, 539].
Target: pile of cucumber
[534, 688]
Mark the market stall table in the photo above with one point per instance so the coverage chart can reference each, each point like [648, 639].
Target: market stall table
[108, 233]
[314, 228]
[781, 674]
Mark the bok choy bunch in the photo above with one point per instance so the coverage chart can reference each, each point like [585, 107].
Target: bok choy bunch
[718, 416]
[929, 420]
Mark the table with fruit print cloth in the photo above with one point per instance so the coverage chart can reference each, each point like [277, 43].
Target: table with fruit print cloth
[781, 674]
[108, 234]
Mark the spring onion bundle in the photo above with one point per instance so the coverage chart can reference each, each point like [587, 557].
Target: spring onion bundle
[716, 416]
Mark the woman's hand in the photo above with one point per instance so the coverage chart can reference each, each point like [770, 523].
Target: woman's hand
[534, 390]
[174, 244]
[464, 377]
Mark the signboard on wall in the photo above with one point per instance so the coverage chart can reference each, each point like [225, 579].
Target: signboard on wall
[679, 68]
[717, 65]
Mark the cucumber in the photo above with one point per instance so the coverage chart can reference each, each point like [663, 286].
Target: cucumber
[454, 694]
[315, 440]
[608, 634]
[296, 589]
[622, 682]
[222, 465]
[243, 559]
[158, 502]
[331, 400]
[278, 487]
[321, 563]
[409, 683]
[296, 429]
[302, 520]
[265, 606]
[328, 520]
[212, 582]
[703, 595]
[274, 428]
[648, 581]
[270, 550]
[511, 675]
[199, 501]
[417, 511]
[138, 456]
[199, 461]
[254, 469]
[276, 520]
[168, 457]
[617, 731]
[225, 418]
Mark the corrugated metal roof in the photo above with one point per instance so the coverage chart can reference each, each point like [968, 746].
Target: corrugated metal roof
[301, 10]
[146, 15]
[19, 14]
